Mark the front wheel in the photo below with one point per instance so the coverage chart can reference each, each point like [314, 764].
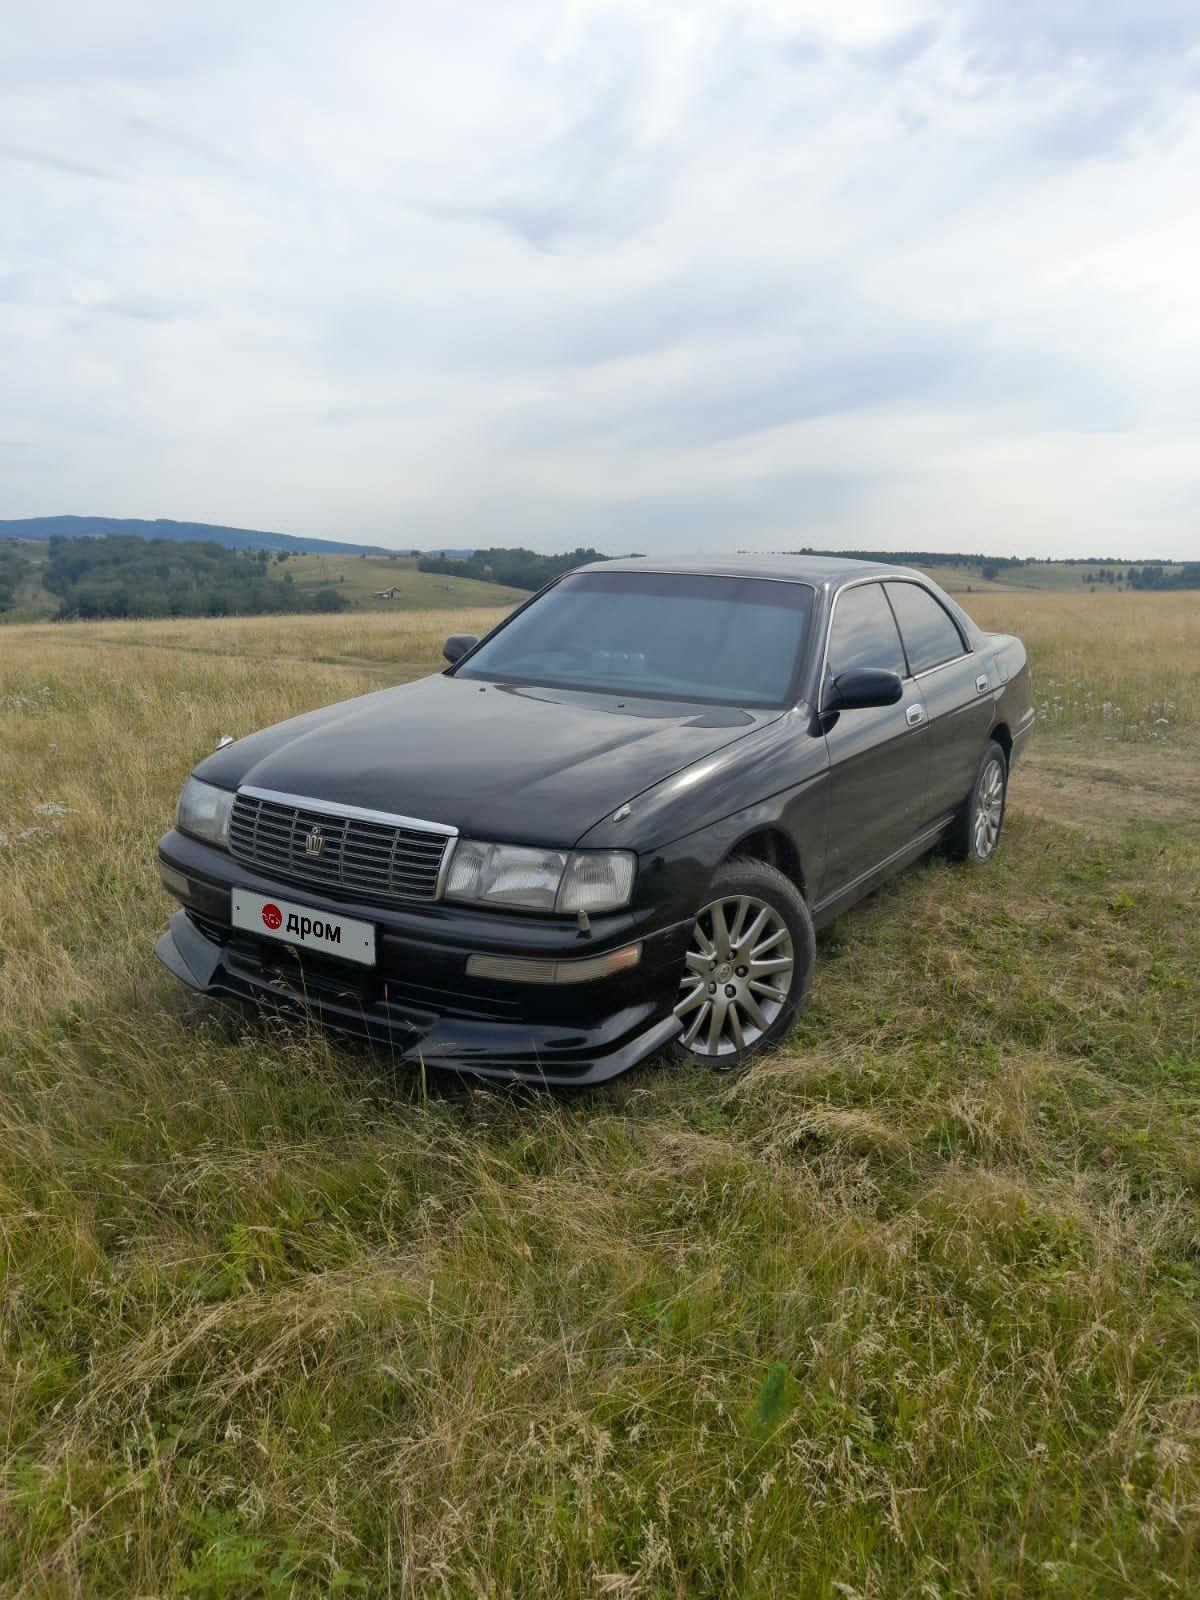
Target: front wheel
[748, 966]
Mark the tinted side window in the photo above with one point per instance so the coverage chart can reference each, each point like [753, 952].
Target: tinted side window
[930, 635]
[864, 632]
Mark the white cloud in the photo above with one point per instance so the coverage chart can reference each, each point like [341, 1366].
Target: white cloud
[650, 275]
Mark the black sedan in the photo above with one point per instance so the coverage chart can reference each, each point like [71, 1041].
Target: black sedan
[609, 827]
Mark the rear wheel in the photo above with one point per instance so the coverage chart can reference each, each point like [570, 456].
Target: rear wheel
[976, 831]
[748, 966]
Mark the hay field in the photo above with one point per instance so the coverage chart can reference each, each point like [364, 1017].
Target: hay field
[910, 1309]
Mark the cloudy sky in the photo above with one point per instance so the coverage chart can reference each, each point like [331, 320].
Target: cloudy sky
[687, 276]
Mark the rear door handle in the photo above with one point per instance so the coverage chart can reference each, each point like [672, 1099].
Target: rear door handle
[981, 683]
[914, 714]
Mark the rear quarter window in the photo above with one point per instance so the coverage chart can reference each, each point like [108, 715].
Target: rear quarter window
[930, 633]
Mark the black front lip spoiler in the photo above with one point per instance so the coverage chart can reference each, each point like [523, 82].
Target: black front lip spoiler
[530, 1052]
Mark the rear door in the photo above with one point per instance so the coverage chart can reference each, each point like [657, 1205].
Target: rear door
[954, 687]
[878, 757]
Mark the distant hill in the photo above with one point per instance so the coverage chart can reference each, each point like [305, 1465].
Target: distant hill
[164, 528]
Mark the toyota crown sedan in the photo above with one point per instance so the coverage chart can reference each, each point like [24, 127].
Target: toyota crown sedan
[610, 827]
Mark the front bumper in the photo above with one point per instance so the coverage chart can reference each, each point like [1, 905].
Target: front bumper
[419, 1000]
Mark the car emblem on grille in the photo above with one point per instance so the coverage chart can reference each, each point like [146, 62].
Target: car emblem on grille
[314, 844]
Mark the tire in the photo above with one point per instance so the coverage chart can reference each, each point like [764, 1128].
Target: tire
[730, 1012]
[976, 830]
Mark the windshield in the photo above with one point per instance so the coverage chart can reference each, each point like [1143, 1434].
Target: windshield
[675, 636]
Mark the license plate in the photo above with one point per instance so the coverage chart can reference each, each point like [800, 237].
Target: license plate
[305, 928]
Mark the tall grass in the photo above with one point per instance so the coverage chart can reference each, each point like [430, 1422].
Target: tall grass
[910, 1309]
[1110, 667]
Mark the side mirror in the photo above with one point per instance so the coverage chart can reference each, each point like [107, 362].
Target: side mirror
[457, 645]
[864, 686]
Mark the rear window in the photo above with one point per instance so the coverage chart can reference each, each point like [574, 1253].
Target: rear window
[929, 632]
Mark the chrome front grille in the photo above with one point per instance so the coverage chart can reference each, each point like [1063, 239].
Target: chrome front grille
[337, 848]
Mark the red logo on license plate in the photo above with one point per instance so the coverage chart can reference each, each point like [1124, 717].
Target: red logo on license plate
[272, 915]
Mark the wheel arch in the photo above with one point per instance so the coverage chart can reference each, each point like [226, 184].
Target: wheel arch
[1003, 737]
[775, 848]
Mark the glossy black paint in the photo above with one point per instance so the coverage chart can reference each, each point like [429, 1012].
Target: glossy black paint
[516, 765]
[457, 645]
[838, 796]
[864, 687]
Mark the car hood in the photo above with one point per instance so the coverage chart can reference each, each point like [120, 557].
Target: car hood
[495, 761]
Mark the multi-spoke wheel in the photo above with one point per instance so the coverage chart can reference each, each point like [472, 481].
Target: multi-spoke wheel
[976, 831]
[989, 808]
[748, 965]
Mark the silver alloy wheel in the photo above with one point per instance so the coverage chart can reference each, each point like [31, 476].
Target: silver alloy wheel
[989, 808]
[737, 976]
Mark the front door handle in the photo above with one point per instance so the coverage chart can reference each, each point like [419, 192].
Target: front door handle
[914, 714]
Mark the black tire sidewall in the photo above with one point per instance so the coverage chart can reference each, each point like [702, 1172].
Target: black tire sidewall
[750, 877]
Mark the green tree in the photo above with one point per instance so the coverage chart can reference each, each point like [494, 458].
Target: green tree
[124, 576]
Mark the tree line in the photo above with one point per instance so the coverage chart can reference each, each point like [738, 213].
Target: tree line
[1157, 577]
[920, 558]
[15, 568]
[515, 568]
[125, 576]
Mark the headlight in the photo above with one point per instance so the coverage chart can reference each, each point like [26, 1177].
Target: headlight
[540, 880]
[203, 811]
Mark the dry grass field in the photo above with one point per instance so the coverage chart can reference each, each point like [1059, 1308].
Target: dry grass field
[910, 1309]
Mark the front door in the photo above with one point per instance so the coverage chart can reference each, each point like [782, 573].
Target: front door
[878, 757]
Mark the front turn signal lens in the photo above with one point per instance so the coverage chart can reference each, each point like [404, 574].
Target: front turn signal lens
[530, 969]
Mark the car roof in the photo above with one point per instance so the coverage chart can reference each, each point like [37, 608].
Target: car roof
[818, 570]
